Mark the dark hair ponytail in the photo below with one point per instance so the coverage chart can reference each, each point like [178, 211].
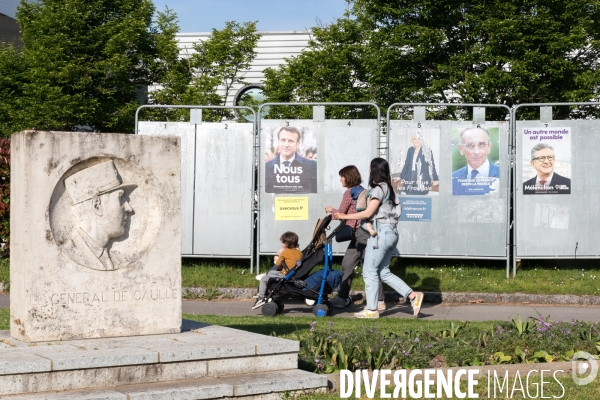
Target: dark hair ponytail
[380, 173]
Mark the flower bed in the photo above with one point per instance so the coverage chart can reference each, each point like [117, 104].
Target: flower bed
[530, 341]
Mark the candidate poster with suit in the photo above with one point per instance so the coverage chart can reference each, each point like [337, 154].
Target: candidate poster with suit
[546, 158]
[475, 160]
[414, 156]
[290, 160]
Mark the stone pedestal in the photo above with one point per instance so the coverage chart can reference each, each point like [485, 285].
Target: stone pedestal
[95, 235]
[203, 362]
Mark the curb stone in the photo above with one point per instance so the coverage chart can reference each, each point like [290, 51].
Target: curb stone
[433, 297]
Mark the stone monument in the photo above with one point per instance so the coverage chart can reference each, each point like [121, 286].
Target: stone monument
[95, 235]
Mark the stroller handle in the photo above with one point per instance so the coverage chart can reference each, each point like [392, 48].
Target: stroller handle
[336, 230]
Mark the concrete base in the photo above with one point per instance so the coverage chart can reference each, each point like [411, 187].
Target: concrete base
[203, 362]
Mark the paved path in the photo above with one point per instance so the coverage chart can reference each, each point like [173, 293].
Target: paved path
[475, 312]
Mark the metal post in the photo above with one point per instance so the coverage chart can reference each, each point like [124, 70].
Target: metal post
[196, 117]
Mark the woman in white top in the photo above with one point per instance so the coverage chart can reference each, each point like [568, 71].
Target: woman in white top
[381, 213]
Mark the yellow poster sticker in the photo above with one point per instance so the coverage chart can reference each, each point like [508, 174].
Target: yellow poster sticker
[291, 208]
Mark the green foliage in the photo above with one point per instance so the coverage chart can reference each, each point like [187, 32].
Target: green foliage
[85, 65]
[330, 69]
[4, 196]
[498, 52]
[211, 294]
[12, 68]
[453, 330]
[216, 62]
[326, 347]
[4, 319]
[85, 61]
[500, 358]
[5, 271]
[521, 326]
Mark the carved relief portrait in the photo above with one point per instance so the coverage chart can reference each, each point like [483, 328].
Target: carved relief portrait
[104, 214]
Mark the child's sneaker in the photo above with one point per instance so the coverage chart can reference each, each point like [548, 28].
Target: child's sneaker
[259, 303]
[416, 303]
[259, 277]
[381, 306]
[367, 314]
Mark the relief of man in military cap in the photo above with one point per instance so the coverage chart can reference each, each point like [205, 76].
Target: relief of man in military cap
[99, 211]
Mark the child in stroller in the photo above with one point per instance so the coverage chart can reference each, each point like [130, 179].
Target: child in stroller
[288, 258]
[300, 283]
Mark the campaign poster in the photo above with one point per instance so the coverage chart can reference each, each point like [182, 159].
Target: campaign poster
[415, 151]
[546, 160]
[475, 160]
[290, 160]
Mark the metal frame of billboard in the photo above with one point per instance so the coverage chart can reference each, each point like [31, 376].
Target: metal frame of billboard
[545, 117]
[419, 115]
[254, 133]
[318, 116]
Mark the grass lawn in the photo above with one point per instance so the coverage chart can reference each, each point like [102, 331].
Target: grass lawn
[299, 328]
[579, 277]
[4, 270]
[4, 319]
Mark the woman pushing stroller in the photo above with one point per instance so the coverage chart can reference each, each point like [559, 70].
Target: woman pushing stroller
[380, 212]
[355, 252]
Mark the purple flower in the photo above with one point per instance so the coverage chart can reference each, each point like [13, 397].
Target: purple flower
[416, 340]
[429, 346]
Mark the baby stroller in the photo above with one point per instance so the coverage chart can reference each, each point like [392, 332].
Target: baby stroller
[313, 291]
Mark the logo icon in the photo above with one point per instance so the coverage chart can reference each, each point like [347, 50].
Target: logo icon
[583, 363]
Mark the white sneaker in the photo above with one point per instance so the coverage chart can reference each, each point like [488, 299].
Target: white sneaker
[367, 314]
[259, 303]
[381, 306]
[416, 303]
[259, 277]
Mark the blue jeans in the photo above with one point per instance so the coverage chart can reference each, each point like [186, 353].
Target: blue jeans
[377, 265]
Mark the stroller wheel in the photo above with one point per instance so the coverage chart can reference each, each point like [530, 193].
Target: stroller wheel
[270, 309]
[320, 310]
[280, 305]
[309, 302]
[329, 307]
